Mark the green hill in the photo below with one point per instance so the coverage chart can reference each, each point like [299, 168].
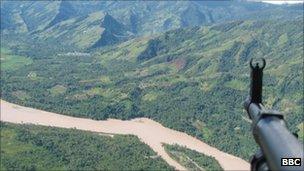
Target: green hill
[193, 80]
[28, 147]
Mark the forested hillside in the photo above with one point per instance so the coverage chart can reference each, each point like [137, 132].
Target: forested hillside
[81, 25]
[193, 80]
[29, 147]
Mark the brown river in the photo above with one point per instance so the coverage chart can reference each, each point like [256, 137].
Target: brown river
[148, 131]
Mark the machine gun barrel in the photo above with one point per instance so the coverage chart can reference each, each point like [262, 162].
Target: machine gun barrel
[270, 131]
[274, 139]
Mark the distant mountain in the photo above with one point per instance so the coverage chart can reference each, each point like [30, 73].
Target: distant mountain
[36, 16]
[11, 20]
[93, 30]
[192, 79]
[181, 63]
[114, 32]
[137, 18]
[65, 11]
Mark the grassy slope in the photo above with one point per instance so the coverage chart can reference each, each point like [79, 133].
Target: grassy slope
[193, 80]
[12, 62]
[25, 147]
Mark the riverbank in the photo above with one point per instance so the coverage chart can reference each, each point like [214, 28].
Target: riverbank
[150, 132]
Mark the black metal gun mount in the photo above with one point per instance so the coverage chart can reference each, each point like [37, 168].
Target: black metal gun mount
[269, 130]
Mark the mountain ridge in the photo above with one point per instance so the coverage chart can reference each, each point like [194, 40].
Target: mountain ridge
[65, 12]
[137, 16]
[200, 75]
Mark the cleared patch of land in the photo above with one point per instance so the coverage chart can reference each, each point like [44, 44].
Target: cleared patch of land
[148, 131]
[192, 159]
[12, 62]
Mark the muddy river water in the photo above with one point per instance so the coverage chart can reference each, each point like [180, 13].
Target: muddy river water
[150, 132]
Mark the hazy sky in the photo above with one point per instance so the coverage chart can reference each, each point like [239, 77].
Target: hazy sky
[284, 2]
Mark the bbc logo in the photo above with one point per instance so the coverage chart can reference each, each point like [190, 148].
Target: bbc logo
[290, 161]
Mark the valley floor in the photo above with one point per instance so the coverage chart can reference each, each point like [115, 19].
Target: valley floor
[150, 132]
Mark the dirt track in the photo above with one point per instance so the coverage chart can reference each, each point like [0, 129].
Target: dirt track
[150, 132]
